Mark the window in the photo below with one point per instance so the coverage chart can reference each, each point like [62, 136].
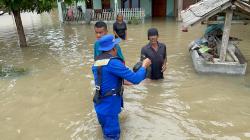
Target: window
[130, 3]
[135, 4]
[105, 4]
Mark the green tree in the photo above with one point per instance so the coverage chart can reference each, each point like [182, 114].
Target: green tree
[18, 6]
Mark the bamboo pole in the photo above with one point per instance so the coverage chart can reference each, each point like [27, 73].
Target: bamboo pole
[226, 33]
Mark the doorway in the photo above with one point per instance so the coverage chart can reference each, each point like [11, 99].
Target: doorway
[89, 4]
[130, 3]
[159, 8]
[105, 4]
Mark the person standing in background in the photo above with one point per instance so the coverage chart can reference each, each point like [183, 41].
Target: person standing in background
[120, 28]
[101, 29]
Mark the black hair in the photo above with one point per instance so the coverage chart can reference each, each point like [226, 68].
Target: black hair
[101, 24]
[109, 50]
[119, 14]
[152, 32]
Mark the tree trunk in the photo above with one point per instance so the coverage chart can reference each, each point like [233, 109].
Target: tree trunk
[19, 26]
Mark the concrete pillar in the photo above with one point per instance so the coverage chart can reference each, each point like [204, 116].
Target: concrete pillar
[116, 8]
[60, 13]
[180, 6]
[226, 33]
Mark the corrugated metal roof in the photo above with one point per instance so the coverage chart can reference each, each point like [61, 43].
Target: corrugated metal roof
[207, 8]
[202, 10]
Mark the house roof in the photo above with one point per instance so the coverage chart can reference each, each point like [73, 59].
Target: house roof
[207, 8]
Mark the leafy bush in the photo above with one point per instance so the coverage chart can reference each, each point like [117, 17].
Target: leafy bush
[135, 20]
[6, 71]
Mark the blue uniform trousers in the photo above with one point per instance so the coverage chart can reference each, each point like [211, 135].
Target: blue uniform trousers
[110, 126]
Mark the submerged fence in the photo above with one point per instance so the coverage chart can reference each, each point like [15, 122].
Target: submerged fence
[128, 14]
[76, 15]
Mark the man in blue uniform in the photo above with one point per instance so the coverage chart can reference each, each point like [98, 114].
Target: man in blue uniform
[101, 30]
[109, 72]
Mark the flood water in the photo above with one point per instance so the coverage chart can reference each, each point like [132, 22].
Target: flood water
[53, 101]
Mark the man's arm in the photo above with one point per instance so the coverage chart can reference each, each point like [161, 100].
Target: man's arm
[117, 68]
[165, 54]
[164, 65]
[143, 54]
[114, 30]
[126, 34]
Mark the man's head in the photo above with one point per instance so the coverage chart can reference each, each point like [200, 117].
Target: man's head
[100, 29]
[153, 35]
[107, 43]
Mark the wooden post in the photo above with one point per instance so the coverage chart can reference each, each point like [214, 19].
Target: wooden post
[180, 7]
[226, 33]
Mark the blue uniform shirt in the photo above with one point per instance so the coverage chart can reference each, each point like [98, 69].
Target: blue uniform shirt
[97, 52]
[111, 74]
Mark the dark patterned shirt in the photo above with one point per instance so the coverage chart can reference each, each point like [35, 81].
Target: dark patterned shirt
[157, 58]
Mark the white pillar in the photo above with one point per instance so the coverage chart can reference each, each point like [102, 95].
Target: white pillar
[180, 6]
[60, 13]
[116, 8]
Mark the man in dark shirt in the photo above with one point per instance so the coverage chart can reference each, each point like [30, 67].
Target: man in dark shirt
[120, 28]
[157, 53]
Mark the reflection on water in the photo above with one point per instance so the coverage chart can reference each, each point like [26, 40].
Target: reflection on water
[54, 100]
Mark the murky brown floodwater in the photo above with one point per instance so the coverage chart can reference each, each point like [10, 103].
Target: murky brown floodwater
[54, 100]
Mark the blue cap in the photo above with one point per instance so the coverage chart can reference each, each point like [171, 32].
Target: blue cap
[107, 42]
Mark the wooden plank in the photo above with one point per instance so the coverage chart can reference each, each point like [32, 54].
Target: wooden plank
[214, 12]
[242, 14]
[242, 5]
[231, 50]
[226, 33]
[222, 22]
[240, 56]
[201, 11]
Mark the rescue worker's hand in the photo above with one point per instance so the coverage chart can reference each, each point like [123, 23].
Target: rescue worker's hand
[146, 63]
[164, 67]
[127, 83]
